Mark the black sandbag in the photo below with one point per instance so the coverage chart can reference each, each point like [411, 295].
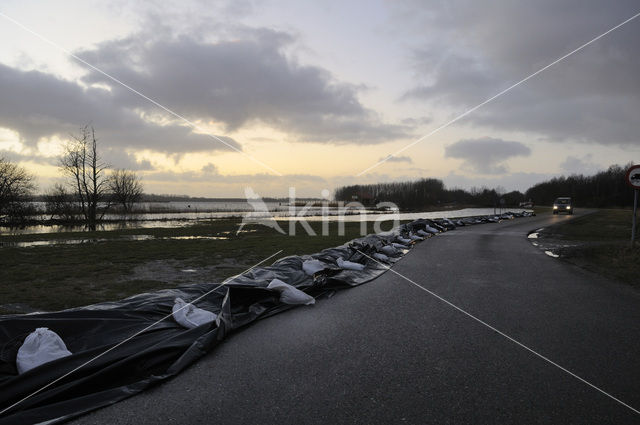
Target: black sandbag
[156, 354]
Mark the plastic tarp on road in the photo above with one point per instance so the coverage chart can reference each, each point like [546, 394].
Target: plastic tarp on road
[108, 363]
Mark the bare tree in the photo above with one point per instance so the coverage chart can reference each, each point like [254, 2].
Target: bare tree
[86, 172]
[16, 184]
[126, 188]
[59, 202]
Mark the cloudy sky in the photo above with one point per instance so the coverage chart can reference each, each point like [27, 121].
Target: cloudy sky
[207, 97]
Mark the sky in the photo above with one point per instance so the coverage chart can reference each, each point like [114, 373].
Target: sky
[207, 98]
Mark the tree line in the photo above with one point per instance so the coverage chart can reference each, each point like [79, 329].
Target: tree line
[91, 188]
[426, 192]
[603, 189]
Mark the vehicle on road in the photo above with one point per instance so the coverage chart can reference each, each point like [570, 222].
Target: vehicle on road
[563, 204]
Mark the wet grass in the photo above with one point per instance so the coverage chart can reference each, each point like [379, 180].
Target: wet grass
[541, 209]
[602, 225]
[62, 276]
[603, 244]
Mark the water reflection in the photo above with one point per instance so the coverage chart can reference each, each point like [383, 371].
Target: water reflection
[72, 241]
[184, 219]
[52, 242]
[102, 227]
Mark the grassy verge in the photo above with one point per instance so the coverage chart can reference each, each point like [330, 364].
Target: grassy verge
[541, 209]
[602, 244]
[67, 275]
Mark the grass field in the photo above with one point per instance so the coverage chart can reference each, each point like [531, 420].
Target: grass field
[602, 244]
[61, 276]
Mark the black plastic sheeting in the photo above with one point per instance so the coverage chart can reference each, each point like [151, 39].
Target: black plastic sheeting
[166, 348]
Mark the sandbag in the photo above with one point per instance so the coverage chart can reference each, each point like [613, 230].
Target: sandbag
[39, 347]
[389, 250]
[190, 316]
[403, 241]
[311, 267]
[349, 265]
[399, 245]
[415, 237]
[431, 229]
[380, 256]
[423, 233]
[290, 294]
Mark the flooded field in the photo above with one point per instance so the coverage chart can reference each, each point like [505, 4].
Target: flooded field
[187, 218]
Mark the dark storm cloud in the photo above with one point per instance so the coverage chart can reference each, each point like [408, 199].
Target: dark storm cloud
[36, 104]
[21, 157]
[117, 158]
[472, 51]
[412, 122]
[238, 82]
[487, 155]
[113, 157]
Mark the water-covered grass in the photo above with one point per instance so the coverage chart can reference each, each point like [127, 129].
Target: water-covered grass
[58, 276]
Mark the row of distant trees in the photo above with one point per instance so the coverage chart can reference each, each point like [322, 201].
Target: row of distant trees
[92, 188]
[425, 193]
[603, 189]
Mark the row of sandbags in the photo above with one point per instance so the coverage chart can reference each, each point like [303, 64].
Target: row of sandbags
[44, 345]
[169, 332]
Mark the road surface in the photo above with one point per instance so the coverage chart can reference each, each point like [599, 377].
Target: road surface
[390, 352]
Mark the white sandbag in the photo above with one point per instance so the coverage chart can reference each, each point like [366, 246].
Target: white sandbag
[389, 250]
[380, 256]
[399, 245]
[431, 229]
[423, 233]
[39, 347]
[403, 241]
[190, 316]
[290, 294]
[311, 267]
[349, 265]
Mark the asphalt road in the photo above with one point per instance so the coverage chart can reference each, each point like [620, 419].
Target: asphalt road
[390, 352]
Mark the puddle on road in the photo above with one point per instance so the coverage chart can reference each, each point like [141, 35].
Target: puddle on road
[549, 246]
[534, 234]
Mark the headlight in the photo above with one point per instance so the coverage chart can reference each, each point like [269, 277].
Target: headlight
[568, 207]
[555, 207]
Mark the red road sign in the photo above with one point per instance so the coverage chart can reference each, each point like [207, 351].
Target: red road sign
[633, 177]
